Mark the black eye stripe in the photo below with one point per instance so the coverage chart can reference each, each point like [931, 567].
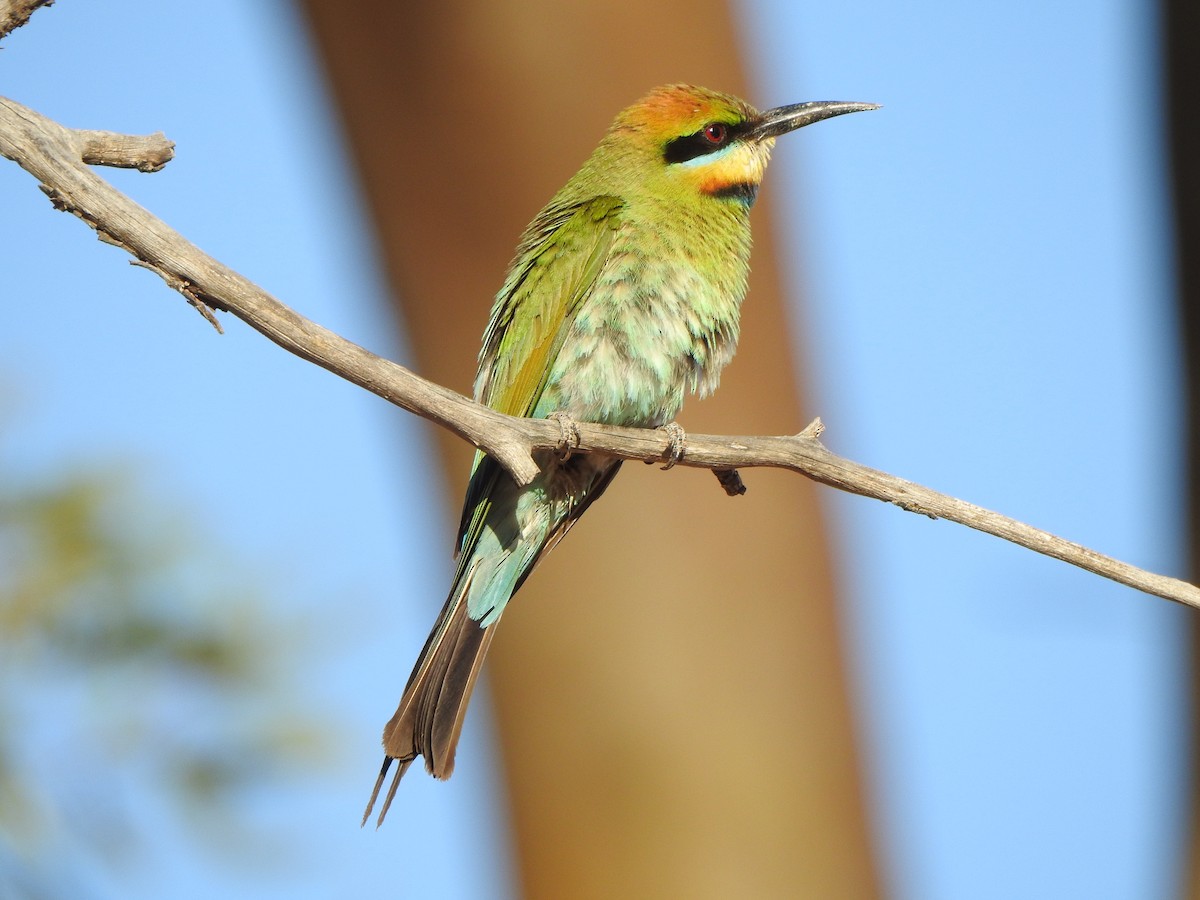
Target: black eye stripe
[690, 146]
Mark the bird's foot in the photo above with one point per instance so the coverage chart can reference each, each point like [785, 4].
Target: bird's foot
[568, 441]
[676, 444]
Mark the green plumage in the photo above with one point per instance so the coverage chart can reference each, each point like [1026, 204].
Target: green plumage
[623, 297]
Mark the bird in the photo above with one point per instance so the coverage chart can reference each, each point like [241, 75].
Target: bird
[623, 297]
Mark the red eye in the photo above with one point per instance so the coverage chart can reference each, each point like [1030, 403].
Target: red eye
[715, 132]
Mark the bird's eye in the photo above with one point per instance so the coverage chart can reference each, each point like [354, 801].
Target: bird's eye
[712, 138]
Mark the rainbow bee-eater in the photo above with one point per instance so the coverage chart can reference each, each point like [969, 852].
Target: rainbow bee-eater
[622, 298]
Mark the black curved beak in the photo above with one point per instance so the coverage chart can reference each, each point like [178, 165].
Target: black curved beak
[783, 119]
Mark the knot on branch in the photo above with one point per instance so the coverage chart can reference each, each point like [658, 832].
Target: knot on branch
[731, 481]
[914, 506]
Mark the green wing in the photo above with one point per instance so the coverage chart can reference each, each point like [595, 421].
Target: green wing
[557, 263]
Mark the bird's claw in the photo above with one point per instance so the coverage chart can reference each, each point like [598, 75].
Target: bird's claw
[676, 446]
[569, 438]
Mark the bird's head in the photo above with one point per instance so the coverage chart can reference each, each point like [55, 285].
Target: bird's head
[682, 141]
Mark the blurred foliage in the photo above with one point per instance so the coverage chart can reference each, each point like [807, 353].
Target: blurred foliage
[139, 677]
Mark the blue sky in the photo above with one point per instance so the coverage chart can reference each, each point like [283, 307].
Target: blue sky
[989, 274]
[986, 267]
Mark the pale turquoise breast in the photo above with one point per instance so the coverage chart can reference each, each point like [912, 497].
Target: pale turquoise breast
[656, 327]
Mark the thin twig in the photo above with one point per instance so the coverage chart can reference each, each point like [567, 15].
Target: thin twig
[55, 156]
[805, 454]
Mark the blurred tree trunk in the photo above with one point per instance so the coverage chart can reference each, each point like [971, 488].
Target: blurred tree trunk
[670, 689]
[1180, 29]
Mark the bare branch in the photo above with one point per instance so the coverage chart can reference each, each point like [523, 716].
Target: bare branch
[146, 153]
[56, 157]
[805, 454]
[15, 13]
